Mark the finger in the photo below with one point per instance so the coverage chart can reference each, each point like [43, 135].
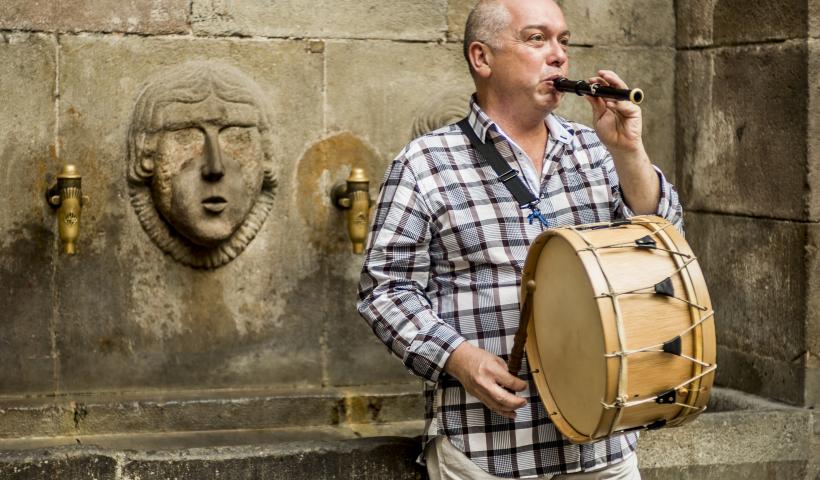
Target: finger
[598, 104]
[506, 414]
[598, 80]
[612, 78]
[507, 400]
[511, 382]
[506, 379]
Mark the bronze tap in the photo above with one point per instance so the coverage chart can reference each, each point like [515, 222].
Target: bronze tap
[354, 196]
[67, 197]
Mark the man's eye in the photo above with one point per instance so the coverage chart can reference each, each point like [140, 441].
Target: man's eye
[537, 38]
[565, 42]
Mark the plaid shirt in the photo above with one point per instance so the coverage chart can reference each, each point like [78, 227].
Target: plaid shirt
[443, 266]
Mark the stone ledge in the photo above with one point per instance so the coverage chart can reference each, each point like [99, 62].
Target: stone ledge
[745, 438]
[209, 410]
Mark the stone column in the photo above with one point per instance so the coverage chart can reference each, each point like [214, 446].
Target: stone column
[748, 160]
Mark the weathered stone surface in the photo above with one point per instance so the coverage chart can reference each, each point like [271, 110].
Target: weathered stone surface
[457, 12]
[814, 19]
[134, 16]
[610, 22]
[376, 89]
[64, 463]
[758, 274]
[417, 20]
[730, 438]
[762, 375]
[813, 99]
[774, 470]
[130, 316]
[812, 354]
[35, 417]
[596, 22]
[367, 458]
[27, 246]
[651, 69]
[185, 411]
[760, 442]
[728, 22]
[741, 130]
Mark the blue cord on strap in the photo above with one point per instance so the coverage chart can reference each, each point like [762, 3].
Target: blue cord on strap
[536, 213]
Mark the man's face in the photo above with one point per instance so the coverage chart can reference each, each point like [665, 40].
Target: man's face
[533, 51]
[208, 168]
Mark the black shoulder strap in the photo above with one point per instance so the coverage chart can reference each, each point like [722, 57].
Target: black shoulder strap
[508, 176]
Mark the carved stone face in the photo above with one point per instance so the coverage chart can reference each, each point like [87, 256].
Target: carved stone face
[208, 168]
[201, 170]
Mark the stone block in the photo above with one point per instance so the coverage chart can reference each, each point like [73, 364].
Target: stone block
[651, 69]
[412, 20]
[136, 16]
[375, 90]
[813, 101]
[596, 22]
[457, 13]
[63, 462]
[760, 278]
[745, 471]
[28, 245]
[727, 22]
[741, 130]
[729, 438]
[26, 417]
[131, 317]
[814, 19]
[762, 375]
[618, 23]
[367, 458]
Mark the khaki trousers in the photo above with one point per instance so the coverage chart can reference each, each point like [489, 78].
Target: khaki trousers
[446, 462]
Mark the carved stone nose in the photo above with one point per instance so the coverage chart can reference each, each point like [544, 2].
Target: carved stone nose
[212, 169]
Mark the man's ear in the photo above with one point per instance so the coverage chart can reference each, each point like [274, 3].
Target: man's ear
[480, 58]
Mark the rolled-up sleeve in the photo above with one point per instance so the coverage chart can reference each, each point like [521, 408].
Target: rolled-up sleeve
[669, 206]
[395, 273]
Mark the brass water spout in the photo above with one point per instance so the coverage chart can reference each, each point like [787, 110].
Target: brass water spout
[67, 197]
[354, 196]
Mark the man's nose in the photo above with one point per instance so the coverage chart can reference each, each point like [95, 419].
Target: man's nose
[558, 54]
[212, 169]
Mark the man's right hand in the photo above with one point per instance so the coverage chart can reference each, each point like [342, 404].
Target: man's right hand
[485, 376]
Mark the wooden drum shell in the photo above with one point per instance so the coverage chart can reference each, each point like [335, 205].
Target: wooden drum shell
[572, 326]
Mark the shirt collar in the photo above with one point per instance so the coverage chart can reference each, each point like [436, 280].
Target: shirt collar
[560, 130]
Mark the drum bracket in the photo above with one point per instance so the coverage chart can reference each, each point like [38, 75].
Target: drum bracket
[665, 288]
[670, 396]
[646, 242]
[673, 346]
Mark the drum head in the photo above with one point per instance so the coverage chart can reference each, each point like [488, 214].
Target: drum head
[569, 337]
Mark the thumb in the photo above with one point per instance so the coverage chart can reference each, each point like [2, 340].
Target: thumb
[511, 382]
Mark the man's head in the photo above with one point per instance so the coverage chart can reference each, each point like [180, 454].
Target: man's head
[514, 49]
[200, 150]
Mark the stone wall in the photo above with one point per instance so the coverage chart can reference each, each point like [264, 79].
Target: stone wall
[748, 154]
[345, 81]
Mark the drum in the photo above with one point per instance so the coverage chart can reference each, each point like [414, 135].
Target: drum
[618, 327]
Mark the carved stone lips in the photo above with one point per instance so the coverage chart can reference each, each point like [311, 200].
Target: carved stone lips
[215, 204]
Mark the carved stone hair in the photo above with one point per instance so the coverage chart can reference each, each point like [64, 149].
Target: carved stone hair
[194, 82]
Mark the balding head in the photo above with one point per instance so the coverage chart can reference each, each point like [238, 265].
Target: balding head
[484, 24]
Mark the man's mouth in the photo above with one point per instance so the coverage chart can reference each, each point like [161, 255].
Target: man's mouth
[551, 79]
[214, 204]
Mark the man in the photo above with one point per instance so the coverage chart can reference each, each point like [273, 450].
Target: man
[443, 268]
